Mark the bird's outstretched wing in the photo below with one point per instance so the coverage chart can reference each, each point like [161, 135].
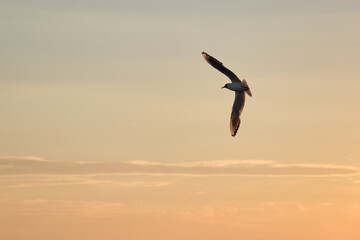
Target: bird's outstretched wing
[219, 66]
[236, 112]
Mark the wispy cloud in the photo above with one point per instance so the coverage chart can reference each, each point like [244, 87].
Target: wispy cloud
[143, 184]
[30, 158]
[39, 206]
[25, 181]
[33, 166]
[238, 216]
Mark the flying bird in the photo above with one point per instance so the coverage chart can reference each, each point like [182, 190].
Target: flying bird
[236, 85]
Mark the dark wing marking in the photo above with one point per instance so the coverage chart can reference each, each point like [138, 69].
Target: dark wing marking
[238, 106]
[219, 66]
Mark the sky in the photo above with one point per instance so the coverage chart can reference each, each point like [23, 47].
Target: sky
[113, 126]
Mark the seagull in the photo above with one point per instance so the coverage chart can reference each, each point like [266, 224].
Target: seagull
[236, 85]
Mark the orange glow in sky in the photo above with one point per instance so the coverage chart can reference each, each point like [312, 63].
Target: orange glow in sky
[114, 127]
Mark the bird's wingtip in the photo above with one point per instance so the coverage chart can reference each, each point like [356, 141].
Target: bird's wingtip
[248, 89]
[248, 92]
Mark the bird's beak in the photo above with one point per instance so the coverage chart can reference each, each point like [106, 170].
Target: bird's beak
[224, 86]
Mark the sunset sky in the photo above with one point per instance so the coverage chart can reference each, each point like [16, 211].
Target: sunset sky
[113, 126]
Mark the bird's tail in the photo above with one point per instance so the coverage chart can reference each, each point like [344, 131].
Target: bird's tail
[248, 89]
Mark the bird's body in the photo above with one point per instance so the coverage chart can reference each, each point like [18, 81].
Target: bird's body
[236, 85]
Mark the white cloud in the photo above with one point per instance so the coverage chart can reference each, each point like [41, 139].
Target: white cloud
[34, 207]
[35, 201]
[32, 166]
[143, 184]
[215, 163]
[25, 181]
[30, 158]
